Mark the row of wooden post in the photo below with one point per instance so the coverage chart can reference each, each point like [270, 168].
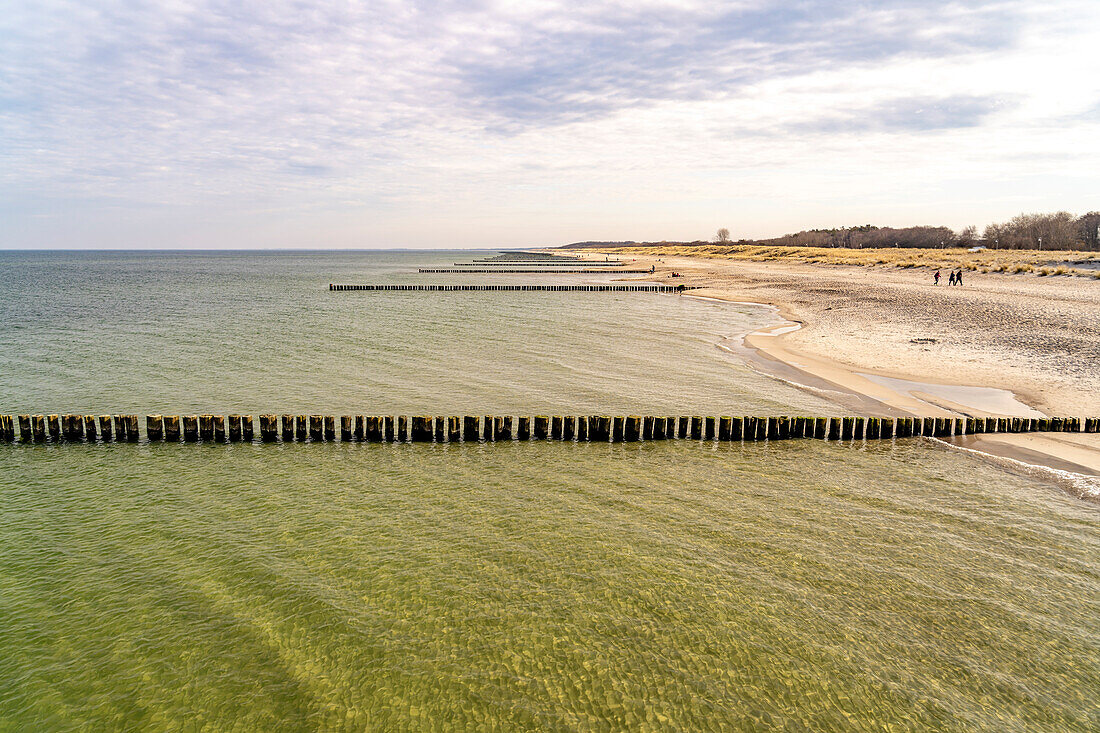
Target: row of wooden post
[426, 429]
[524, 288]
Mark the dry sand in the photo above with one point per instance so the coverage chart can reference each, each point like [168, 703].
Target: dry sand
[998, 345]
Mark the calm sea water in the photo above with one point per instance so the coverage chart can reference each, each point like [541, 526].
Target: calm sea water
[671, 586]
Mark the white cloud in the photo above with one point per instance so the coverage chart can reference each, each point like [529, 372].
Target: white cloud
[536, 122]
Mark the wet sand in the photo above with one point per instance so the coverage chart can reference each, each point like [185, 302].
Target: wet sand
[885, 341]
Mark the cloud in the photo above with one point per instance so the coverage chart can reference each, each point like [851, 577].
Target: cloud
[365, 116]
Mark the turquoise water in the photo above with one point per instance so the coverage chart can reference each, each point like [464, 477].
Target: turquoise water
[512, 586]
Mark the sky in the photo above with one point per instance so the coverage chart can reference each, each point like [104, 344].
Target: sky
[515, 124]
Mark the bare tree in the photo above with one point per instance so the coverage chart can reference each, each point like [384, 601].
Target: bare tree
[723, 236]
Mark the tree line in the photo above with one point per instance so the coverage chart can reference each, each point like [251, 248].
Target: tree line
[1060, 230]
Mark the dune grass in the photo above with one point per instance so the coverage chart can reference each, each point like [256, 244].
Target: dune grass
[1008, 261]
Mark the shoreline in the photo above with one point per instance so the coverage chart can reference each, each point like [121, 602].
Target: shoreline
[876, 389]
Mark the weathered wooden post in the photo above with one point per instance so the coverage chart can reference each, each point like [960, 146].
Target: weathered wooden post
[749, 421]
[504, 431]
[858, 425]
[330, 427]
[420, 432]
[1075, 424]
[725, 428]
[269, 428]
[105, 427]
[132, 434]
[25, 433]
[233, 427]
[89, 427]
[316, 428]
[598, 430]
[736, 428]
[847, 427]
[487, 428]
[582, 428]
[454, 429]
[957, 426]
[771, 428]
[287, 423]
[470, 428]
[402, 429]
[887, 430]
[38, 428]
[523, 428]
[696, 427]
[380, 428]
[219, 428]
[709, 428]
[555, 427]
[53, 424]
[783, 427]
[683, 427]
[568, 427]
[346, 425]
[206, 427]
[761, 429]
[190, 428]
[647, 427]
[798, 427]
[246, 428]
[301, 428]
[542, 423]
[632, 428]
[440, 428]
[154, 427]
[617, 424]
[69, 427]
[871, 431]
[820, 427]
[1092, 425]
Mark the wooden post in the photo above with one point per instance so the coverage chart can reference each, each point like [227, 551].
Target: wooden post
[696, 427]
[402, 429]
[598, 428]
[582, 428]
[38, 428]
[269, 428]
[470, 428]
[847, 428]
[454, 429]
[206, 427]
[105, 427]
[771, 430]
[749, 422]
[647, 427]
[724, 428]
[390, 429]
[233, 427]
[542, 423]
[632, 428]
[502, 427]
[190, 428]
[487, 427]
[818, 431]
[617, 429]
[154, 427]
[798, 427]
[568, 427]
[53, 424]
[287, 424]
[736, 428]
[301, 428]
[421, 430]
[682, 427]
[132, 434]
[708, 428]
[440, 428]
[1092, 424]
[858, 425]
[346, 427]
[25, 433]
[89, 427]
[316, 428]
[330, 427]
[219, 428]
[783, 427]
[523, 429]
[887, 430]
[555, 427]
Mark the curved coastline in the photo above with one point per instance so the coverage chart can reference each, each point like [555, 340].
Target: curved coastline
[882, 392]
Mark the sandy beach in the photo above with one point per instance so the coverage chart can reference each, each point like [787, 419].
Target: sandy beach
[890, 342]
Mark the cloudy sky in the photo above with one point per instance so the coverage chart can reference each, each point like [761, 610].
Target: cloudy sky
[419, 124]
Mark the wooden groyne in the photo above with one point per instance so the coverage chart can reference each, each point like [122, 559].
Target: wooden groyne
[561, 262]
[498, 428]
[654, 288]
[507, 271]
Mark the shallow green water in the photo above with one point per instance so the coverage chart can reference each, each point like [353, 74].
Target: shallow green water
[511, 586]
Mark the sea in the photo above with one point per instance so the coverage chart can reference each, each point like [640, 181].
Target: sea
[513, 586]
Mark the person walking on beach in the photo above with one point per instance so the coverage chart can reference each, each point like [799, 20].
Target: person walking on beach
[937, 277]
[959, 277]
[951, 278]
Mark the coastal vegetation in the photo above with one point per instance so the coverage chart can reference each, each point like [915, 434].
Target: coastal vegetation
[1008, 261]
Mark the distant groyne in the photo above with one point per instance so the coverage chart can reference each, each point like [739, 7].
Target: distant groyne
[509, 271]
[73, 428]
[654, 288]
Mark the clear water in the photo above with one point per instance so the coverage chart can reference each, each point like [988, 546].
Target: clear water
[671, 586]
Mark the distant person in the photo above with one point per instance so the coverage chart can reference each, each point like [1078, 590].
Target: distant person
[951, 278]
[937, 277]
[959, 277]
[653, 268]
